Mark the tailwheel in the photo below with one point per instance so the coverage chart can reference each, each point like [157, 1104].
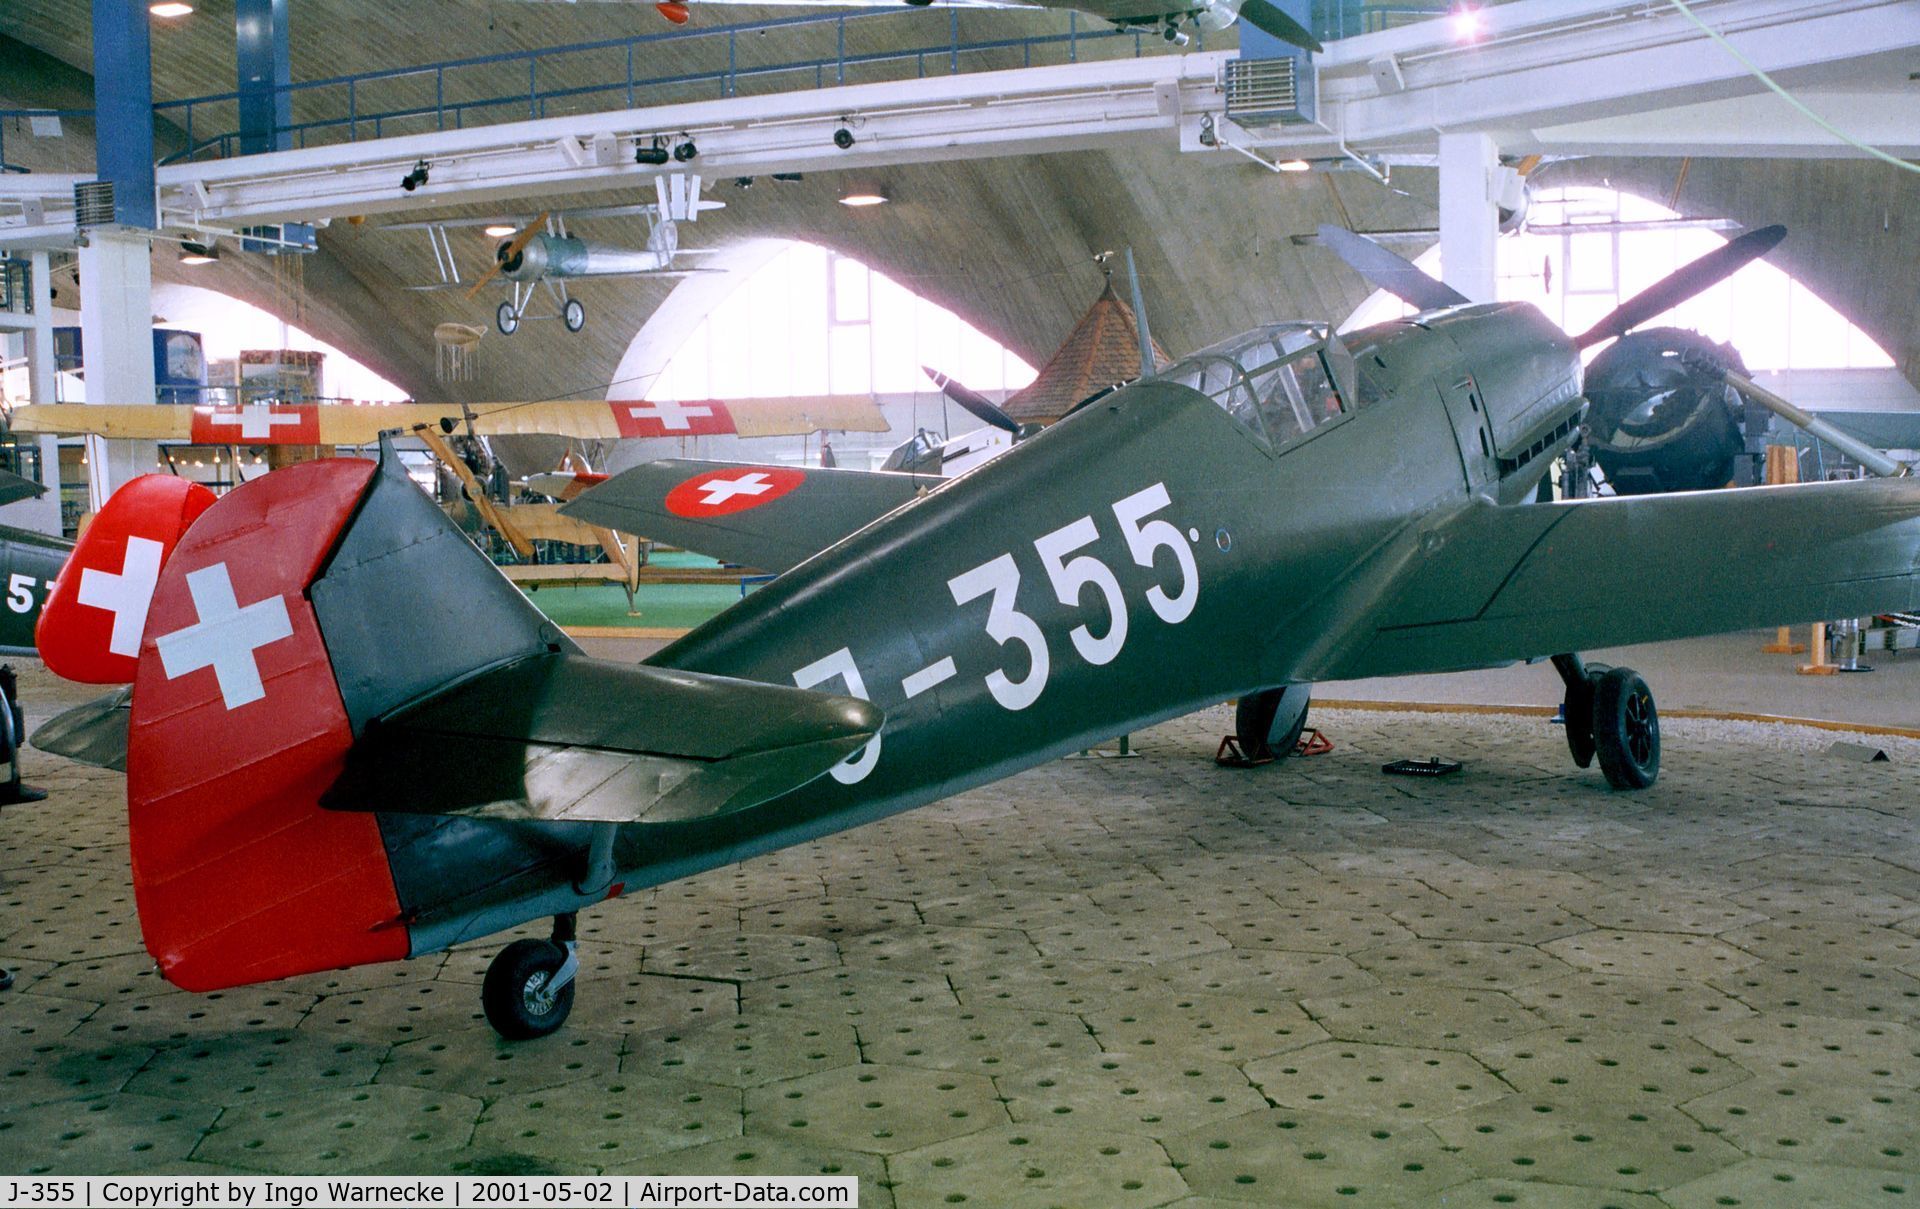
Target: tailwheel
[1626, 729]
[528, 991]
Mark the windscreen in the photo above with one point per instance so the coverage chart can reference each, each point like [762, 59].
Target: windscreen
[1273, 382]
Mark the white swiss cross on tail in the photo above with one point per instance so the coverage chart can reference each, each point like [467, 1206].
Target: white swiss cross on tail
[715, 492]
[225, 637]
[127, 595]
[732, 489]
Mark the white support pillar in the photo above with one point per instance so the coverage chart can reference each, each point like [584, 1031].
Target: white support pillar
[43, 387]
[1469, 218]
[116, 347]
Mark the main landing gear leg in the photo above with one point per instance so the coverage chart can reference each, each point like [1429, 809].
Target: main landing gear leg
[528, 990]
[1609, 714]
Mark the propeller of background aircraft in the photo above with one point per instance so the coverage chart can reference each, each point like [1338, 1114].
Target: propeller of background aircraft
[506, 253]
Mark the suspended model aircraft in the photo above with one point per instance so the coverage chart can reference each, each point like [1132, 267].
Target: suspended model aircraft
[1171, 17]
[322, 772]
[540, 250]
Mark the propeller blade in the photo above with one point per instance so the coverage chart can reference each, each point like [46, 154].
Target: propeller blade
[1266, 17]
[971, 399]
[521, 239]
[1683, 283]
[1389, 271]
[1148, 363]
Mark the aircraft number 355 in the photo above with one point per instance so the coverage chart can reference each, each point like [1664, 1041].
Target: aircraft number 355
[1071, 574]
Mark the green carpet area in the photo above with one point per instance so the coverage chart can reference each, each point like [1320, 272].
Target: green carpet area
[674, 606]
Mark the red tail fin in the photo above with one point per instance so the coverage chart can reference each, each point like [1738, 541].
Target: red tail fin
[237, 727]
[91, 626]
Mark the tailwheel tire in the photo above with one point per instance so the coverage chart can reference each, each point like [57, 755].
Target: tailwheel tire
[1268, 724]
[506, 320]
[574, 315]
[1626, 729]
[515, 995]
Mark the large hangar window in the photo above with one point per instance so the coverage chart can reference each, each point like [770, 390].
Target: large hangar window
[1576, 277]
[813, 322]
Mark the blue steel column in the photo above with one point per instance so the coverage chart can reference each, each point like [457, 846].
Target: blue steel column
[123, 108]
[265, 66]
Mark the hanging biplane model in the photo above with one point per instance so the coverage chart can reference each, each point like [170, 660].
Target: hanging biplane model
[1171, 17]
[539, 249]
[323, 772]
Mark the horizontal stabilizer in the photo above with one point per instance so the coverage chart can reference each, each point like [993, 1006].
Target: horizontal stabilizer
[564, 738]
[93, 733]
[770, 517]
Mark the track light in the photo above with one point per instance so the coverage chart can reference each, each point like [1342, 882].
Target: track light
[418, 177]
[683, 152]
[843, 138]
[499, 230]
[863, 197]
[198, 253]
[653, 156]
[170, 8]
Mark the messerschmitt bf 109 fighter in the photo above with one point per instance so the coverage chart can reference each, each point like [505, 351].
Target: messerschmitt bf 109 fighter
[349, 740]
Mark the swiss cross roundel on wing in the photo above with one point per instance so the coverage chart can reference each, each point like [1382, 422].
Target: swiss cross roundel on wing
[735, 489]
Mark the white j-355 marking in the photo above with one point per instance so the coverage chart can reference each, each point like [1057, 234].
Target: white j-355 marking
[856, 766]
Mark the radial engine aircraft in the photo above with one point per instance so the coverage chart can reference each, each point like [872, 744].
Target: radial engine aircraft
[321, 774]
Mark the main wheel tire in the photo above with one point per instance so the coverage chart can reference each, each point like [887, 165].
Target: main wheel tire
[514, 993]
[574, 315]
[1626, 729]
[1269, 723]
[506, 320]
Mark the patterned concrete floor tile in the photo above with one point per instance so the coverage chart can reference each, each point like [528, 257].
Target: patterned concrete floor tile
[1826, 939]
[743, 1052]
[1492, 919]
[370, 1129]
[1633, 1004]
[1286, 1157]
[477, 1062]
[1801, 899]
[62, 1069]
[1138, 1092]
[1052, 985]
[392, 1014]
[836, 919]
[1377, 1082]
[28, 1019]
[638, 1002]
[412, 972]
[1270, 972]
[981, 1040]
[936, 948]
[847, 994]
[879, 1109]
[179, 1016]
[245, 1066]
[1517, 1194]
[1857, 990]
[88, 1137]
[608, 1124]
[1861, 1050]
[1002, 908]
[744, 956]
[1795, 1118]
[1665, 909]
[106, 979]
[1151, 941]
[1650, 954]
[1769, 1184]
[1228, 1028]
[1605, 1066]
[1312, 931]
[1429, 1016]
[1573, 1141]
[1462, 963]
[1037, 1166]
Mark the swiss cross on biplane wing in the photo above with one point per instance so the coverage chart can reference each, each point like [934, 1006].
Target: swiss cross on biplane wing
[671, 418]
[257, 424]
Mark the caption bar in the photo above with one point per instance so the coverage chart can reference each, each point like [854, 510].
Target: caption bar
[409, 1192]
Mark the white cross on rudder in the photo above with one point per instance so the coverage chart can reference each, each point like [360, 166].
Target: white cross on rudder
[715, 492]
[256, 420]
[225, 637]
[672, 416]
[126, 595]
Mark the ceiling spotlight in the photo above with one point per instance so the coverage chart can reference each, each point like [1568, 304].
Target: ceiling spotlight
[685, 151]
[843, 138]
[418, 177]
[863, 197]
[170, 8]
[1468, 23]
[789, 178]
[198, 253]
[1294, 166]
[654, 155]
[499, 230]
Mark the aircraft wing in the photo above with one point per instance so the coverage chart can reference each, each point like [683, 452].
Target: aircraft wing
[362, 424]
[821, 507]
[1495, 584]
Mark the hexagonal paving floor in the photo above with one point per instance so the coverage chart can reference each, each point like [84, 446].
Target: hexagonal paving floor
[1102, 983]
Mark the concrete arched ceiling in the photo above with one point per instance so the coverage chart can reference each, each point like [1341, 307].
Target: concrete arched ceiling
[1007, 243]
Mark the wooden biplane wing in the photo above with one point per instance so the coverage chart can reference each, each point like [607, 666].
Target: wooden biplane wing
[362, 424]
[770, 517]
[1494, 584]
